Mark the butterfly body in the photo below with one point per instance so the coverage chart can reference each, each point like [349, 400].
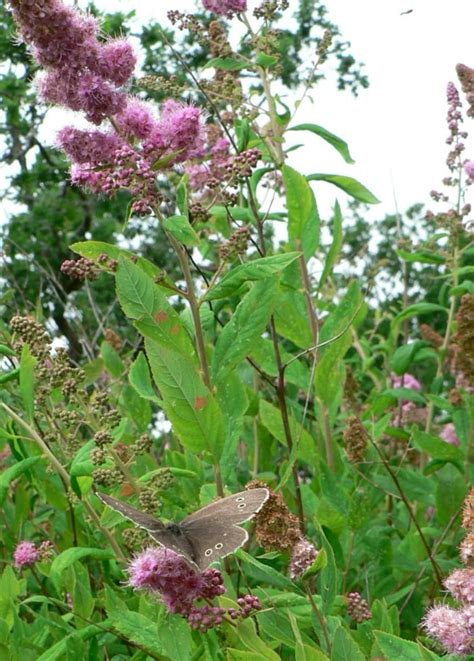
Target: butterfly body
[205, 536]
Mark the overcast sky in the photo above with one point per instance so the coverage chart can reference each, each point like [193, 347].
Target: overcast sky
[397, 128]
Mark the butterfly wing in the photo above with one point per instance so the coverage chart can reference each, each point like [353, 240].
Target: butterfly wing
[176, 541]
[213, 531]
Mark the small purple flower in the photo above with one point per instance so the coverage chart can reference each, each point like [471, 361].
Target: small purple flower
[461, 585]
[92, 147]
[448, 434]
[180, 129]
[115, 61]
[453, 629]
[135, 120]
[164, 571]
[469, 169]
[25, 555]
[225, 7]
[406, 381]
[302, 557]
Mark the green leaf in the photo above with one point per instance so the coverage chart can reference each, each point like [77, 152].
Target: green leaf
[175, 638]
[404, 356]
[182, 196]
[10, 588]
[112, 361]
[59, 651]
[303, 217]
[436, 447]
[395, 648]
[180, 228]
[226, 63]
[419, 308]
[338, 144]
[344, 648]
[404, 394]
[246, 326]
[291, 317]
[72, 555]
[270, 417]
[327, 377]
[328, 577]
[266, 61]
[335, 246]
[192, 410]
[140, 378]
[27, 380]
[142, 300]
[9, 376]
[14, 473]
[319, 563]
[349, 185]
[139, 629]
[94, 249]
[421, 256]
[307, 653]
[258, 269]
[267, 574]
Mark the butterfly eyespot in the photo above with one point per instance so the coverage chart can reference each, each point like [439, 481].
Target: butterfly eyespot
[241, 506]
[218, 546]
[240, 499]
[208, 552]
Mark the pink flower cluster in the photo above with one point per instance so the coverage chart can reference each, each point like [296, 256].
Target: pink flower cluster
[25, 554]
[469, 168]
[448, 434]
[406, 381]
[180, 586]
[225, 7]
[87, 75]
[82, 73]
[302, 557]
[454, 627]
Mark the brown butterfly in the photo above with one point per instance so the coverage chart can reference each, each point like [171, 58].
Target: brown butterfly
[205, 536]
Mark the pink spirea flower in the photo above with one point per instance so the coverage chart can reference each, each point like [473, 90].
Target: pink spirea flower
[179, 584]
[406, 381]
[92, 147]
[302, 557]
[452, 628]
[469, 169]
[461, 585]
[115, 61]
[135, 120]
[25, 554]
[180, 129]
[448, 434]
[225, 7]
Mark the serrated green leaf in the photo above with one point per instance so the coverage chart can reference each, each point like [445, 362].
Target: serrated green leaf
[344, 647]
[181, 229]
[226, 63]
[436, 447]
[258, 269]
[192, 410]
[395, 648]
[112, 361]
[140, 378]
[270, 417]
[246, 326]
[303, 216]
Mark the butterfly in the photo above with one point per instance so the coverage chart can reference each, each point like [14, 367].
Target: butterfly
[205, 536]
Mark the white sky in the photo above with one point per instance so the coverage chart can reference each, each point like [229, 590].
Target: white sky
[396, 129]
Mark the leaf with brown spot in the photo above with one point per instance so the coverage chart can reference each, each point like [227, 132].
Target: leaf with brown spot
[200, 402]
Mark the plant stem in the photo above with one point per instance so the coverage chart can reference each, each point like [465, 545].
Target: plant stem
[319, 617]
[394, 477]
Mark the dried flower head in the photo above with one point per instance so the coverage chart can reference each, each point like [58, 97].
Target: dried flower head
[466, 550]
[468, 511]
[302, 557]
[225, 7]
[276, 527]
[465, 337]
[25, 554]
[466, 78]
[355, 439]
